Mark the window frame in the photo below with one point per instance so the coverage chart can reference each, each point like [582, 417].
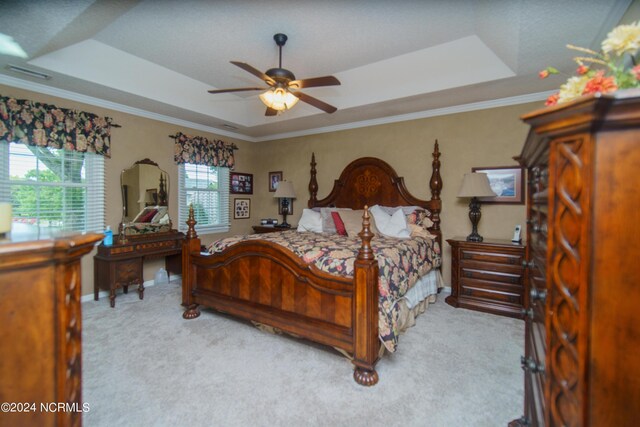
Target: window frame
[94, 190]
[223, 201]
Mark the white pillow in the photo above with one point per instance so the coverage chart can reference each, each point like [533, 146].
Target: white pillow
[310, 221]
[391, 225]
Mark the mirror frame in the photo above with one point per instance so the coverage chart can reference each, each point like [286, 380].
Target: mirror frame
[161, 198]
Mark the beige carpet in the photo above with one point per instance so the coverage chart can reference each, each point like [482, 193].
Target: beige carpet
[143, 365]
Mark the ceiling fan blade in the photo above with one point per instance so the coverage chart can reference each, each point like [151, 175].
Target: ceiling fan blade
[240, 89]
[315, 102]
[259, 74]
[315, 82]
[271, 112]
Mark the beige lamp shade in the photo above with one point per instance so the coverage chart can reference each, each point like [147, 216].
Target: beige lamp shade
[476, 185]
[285, 190]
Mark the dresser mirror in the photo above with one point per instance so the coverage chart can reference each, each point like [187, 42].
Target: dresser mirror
[145, 195]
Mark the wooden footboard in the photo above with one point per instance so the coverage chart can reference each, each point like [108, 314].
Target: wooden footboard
[264, 282]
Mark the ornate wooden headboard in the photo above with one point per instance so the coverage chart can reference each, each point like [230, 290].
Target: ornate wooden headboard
[370, 181]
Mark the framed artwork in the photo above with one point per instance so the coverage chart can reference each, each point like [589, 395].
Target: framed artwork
[241, 183]
[274, 180]
[507, 182]
[241, 208]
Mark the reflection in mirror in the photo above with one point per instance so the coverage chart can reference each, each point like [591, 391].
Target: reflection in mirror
[145, 192]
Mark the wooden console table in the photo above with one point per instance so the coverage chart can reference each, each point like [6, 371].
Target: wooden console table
[121, 265]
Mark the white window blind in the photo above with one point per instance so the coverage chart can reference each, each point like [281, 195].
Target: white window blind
[52, 190]
[207, 189]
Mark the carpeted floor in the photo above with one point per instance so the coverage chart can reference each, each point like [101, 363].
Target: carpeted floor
[143, 365]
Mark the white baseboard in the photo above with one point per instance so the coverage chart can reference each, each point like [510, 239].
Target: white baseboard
[102, 294]
[446, 290]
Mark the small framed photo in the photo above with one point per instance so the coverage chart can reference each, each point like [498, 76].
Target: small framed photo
[241, 208]
[241, 183]
[274, 180]
[507, 182]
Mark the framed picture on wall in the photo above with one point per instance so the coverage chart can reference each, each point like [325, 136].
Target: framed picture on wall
[507, 182]
[274, 180]
[241, 208]
[241, 183]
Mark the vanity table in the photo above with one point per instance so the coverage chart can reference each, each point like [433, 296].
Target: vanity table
[145, 233]
[121, 264]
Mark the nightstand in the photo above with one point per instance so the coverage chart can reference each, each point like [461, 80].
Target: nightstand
[261, 229]
[487, 276]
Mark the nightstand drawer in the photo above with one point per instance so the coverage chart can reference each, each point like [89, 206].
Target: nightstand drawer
[480, 290]
[492, 257]
[496, 276]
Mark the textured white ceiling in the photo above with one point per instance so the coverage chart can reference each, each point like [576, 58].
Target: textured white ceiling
[393, 57]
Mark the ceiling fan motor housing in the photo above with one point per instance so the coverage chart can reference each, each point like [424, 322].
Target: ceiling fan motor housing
[281, 75]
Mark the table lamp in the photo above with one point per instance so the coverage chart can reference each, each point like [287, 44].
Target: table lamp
[285, 193]
[475, 185]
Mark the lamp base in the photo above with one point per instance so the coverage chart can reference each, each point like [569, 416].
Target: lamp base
[474, 237]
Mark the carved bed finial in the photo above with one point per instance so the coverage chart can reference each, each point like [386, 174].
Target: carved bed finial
[366, 235]
[436, 185]
[313, 183]
[191, 223]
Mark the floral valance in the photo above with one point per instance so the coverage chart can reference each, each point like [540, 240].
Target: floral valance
[45, 125]
[202, 151]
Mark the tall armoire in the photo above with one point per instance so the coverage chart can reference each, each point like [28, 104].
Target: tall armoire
[582, 306]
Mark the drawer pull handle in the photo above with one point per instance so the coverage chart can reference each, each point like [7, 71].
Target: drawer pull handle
[528, 364]
[527, 313]
[538, 295]
[529, 264]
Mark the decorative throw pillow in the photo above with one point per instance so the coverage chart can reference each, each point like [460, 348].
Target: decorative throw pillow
[148, 216]
[419, 231]
[328, 225]
[353, 222]
[420, 217]
[337, 221]
[391, 225]
[310, 221]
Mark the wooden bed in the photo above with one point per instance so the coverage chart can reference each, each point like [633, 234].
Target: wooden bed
[266, 283]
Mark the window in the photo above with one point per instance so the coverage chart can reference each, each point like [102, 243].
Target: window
[52, 190]
[207, 189]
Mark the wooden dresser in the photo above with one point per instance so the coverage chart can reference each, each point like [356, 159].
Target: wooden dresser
[582, 340]
[487, 276]
[41, 330]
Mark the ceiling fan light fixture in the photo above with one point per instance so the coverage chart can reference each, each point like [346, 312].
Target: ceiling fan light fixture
[278, 99]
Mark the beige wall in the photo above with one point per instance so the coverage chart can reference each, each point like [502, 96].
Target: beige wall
[137, 139]
[478, 138]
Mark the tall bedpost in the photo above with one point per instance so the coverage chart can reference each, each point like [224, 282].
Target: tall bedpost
[313, 183]
[191, 243]
[435, 183]
[365, 309]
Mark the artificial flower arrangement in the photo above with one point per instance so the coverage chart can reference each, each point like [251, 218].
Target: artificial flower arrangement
[615, 68]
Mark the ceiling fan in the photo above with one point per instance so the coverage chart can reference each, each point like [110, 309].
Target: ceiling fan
[284, 90]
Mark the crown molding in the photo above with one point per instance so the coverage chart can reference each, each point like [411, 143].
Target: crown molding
[73, 96]
[98, 102]
[482, 105]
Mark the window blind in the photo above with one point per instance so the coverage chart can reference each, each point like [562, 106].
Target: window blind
[207, 189]
[52, 190]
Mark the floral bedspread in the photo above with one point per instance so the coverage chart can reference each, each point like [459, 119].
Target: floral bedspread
[401, 262]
